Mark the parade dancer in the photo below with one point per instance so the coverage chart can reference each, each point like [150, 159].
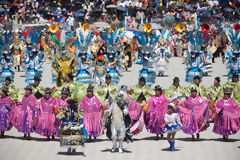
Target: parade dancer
[100, 71]
[14, 92]
[33, 64]
[72, 131]
[162, 53]
[175, 89]
[201, 90]
[46, 117]
[139, 95]
[195, 60]
[27, 115]
[6, 61]
[173, 124]
[37, 88]
[147, 39]
[93, 115]
[155, 109]
[5, 109]
[83, 57]
[194, 113]
[112, 39]
[233, 56]
[226, 116]
[118, 119]
[105, 90]
[61, 103]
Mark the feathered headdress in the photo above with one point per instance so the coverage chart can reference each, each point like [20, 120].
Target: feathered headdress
[112, 39]
[197, 41]
[164, 36]
[234, 37]
[84, 41]
[6, 42]
[146, 41]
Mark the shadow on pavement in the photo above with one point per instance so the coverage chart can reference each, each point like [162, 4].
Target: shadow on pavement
[43, 139]
[221, 140]
[189, 139]
[72, 153]
[167, 149]
[152, 138]
[109, 150]
[96, 140]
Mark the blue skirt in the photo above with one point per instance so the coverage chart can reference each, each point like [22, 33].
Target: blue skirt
[172, 128]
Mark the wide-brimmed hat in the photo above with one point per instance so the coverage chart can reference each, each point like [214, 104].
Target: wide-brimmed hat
[176, 80]
[36, 78]
[227, 91]
[158, 88]
[28, 88]
[142, 79]
[193, 89]
[90, 88]
[171, 105]
[108, 76]
[196, 77]
[65, 91]
[47, 90]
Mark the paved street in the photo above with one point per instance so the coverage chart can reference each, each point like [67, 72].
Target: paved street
[210, 147]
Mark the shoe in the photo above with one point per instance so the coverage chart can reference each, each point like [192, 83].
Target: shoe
[120, 150]
[172, 148]
[198, 136]
[170, 145]
[74, 150]
[69, 150]
[114, 146]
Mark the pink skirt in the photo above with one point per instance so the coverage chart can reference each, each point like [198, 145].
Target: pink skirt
[45, 125]
[93, 123]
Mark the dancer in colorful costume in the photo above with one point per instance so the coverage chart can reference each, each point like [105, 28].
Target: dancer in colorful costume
[175, 89]
[6, 61]
[24, 116]
[100, 71]
[61, 103]
[84, 58]
[226, 116]
[233, 56]
[72, 131]
[147, 41]
[37, 88]
[112, 39]
[118, 119]
[33, 64]
[14, 92]
[173, 124]
[201, 90]
[105, 90]
[46, 117]
[93, 115]
[139, 95]
[215, 92]
[195, 60]
[163, 53]
[5, 109]
[194, 113]
[155, 109]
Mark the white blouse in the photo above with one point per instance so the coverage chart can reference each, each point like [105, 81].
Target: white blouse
[173, 119]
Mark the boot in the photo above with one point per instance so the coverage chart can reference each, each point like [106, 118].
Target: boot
[69, 150]
[74, 150]
[161, 135]
[18, 68]
[28, 137]
[2, 134]
[193, 138]
[173, 148]
[198, 136]
[114, 146]
[120, 150]
[157, 137]
[170, 145]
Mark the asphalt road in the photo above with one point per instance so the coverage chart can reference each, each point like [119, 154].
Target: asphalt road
[209, 147]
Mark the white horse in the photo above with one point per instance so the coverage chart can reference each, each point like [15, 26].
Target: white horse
[118, 120]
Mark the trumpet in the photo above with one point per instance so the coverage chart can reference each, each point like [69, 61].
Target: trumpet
[53, 28]
[147, 27]
[180, 27]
